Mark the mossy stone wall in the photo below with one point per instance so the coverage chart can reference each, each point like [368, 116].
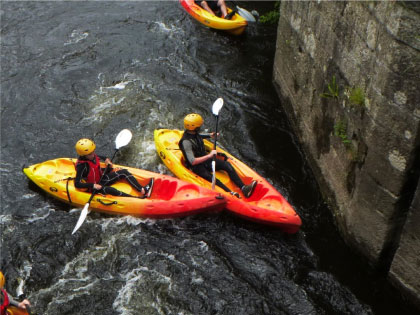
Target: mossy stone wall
[349, 76]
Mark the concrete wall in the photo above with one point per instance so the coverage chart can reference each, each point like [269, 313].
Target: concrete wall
[361, 133]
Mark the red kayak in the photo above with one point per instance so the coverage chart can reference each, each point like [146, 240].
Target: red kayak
[266, 205]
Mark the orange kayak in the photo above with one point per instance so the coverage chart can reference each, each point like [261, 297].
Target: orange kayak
[170, 196]
[236, 25]
[266, 205]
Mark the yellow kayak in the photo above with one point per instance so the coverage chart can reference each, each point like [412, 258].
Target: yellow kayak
[236, 25]
[170, 196]
[266, 205]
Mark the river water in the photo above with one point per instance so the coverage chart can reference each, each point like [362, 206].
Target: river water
[89, 69]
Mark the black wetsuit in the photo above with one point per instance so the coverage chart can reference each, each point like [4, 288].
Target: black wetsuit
[82, 171]
[192, 146]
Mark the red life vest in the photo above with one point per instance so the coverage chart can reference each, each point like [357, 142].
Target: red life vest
[5, 303]
[95, 171]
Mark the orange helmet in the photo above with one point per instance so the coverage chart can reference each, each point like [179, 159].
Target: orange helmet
[85, 147]
[193, 121]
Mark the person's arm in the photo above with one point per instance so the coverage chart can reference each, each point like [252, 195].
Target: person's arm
[208, 135]
[188, 151]
[190, 154]
[204, 158]
[106, 159]
[81, 172]
[13, 302]
[22, 304]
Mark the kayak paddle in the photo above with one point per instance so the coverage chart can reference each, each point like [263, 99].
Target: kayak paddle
[122, 139]
[217, 106]
[244, 13]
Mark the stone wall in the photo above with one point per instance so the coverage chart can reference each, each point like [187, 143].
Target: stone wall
[349, 76]
[405, 268]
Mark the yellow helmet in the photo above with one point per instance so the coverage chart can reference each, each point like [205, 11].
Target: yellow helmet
[85, 147]
[2, 280]
[193, 121]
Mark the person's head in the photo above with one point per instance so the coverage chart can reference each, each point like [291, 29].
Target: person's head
[193, 122]
[2, 280]
[85, 147]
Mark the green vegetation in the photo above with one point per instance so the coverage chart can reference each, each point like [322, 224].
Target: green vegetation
[271, 17]
[332, 89]
[357, 96]
[340, 130]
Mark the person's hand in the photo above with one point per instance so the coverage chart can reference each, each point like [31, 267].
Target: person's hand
[108, 162]
[213, 134]
[24, 303]
[212, 153]
[97, 186]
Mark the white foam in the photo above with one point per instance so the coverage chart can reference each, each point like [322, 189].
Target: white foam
[134, 279]
[74, 210]
[108, 104]
[203, 245]
[120, 86]
[76, 36]
[28, 196]
[171, 29]
[125, 220]
[5, 218]
[41, 214]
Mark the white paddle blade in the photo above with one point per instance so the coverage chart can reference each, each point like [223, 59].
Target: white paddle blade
[217, 106]
[82, 218]
[19, 290]
[213, 180]
[123, 138]
[246, 14]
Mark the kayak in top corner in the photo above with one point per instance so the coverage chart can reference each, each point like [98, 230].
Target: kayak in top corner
[170, 196]
[236, 25]
[266, 205]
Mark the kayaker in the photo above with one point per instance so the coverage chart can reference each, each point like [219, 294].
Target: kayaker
[89, 173]
[6, 300]
[213, 6]
[199, 161]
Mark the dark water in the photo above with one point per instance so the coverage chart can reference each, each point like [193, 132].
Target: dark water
[89, 69]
